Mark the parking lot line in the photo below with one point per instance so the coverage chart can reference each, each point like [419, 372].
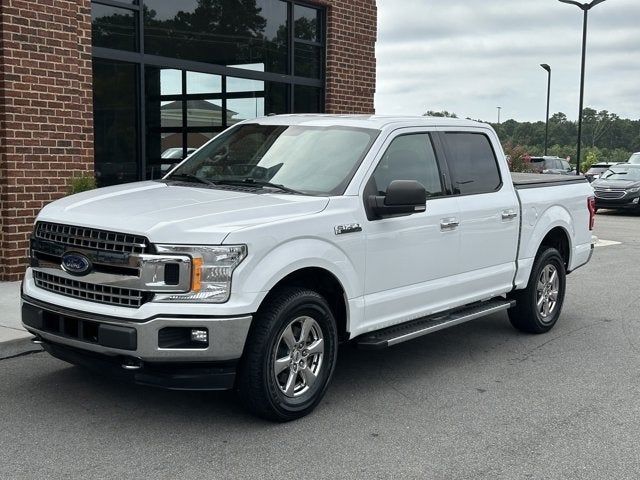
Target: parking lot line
[607, 243]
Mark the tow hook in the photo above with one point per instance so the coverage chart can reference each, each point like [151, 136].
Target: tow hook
[132, 364]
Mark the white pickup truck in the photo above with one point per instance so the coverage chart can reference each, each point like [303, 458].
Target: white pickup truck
[251, 261]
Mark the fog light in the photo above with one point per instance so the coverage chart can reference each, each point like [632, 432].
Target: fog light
[636, 200]
[199, 335]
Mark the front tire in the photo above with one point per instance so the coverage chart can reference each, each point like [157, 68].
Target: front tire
[290, 355]
[539, 306]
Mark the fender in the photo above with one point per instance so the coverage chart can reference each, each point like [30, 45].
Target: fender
[534, 228]
[297, 254]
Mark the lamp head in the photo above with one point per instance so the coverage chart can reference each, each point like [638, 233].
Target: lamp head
[546, 67]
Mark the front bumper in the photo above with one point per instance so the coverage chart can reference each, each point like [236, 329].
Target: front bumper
[172, 376]
[631, 202]
[89, 338]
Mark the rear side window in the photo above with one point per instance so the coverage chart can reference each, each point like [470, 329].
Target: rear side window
[472, 163]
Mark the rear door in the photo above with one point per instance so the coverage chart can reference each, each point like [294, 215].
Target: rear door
[489, 213]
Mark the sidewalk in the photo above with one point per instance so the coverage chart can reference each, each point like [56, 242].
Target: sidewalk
[14, 340]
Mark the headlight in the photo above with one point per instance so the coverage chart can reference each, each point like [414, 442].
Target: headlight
[211, 272]
[634, 190]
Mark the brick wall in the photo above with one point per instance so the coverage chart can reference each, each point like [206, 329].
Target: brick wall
[351, 56]
[46, 113]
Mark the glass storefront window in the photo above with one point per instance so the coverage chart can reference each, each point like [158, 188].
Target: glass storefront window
[170, 82]
[308, 61]
[203, 83]
[115, 122]
[251, 33]
[183, 107]
[113, 27]
[244, 85]
[307, 99]
[204, 113]
[240, 109]
[307, 23]
[171, 114]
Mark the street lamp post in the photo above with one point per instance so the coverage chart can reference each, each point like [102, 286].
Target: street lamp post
[546, 132]
[585, 7]
[499, 110]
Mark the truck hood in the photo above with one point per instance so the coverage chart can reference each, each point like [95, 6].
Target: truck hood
[177, 214]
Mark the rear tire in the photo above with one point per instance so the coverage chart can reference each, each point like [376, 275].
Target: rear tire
[539, 306]
[290, 356]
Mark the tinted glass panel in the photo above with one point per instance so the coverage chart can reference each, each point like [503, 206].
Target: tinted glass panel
[203, 83]
[307, 23]
[244, 85]
[113, 27]
[409, 157]
[240, 109]
[170, 82]
[171, 114]
[308, 99]
[115, 122]
[308, 61]
[247, 34]
[204, 113]
[472, 163]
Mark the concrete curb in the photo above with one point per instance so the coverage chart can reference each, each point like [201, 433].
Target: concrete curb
[14, 342]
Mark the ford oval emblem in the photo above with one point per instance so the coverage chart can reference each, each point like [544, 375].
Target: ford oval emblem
[76, 263]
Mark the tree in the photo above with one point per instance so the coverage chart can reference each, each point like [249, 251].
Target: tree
[443, 113]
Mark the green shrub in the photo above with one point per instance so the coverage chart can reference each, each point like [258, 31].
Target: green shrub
[82, 183]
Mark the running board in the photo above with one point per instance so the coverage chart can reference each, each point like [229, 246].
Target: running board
[424, 326]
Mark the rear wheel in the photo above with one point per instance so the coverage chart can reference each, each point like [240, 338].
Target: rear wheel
[290, 355]
[538, 307]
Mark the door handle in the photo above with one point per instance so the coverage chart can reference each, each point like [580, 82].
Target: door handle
[447, 224]
[509, 214]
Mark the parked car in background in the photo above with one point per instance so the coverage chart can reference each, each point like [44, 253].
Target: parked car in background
[598, 169]
[551, 165]
[635, 158]
[619, 188]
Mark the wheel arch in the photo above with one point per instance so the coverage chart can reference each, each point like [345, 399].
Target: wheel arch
[326, 284]
[553, 228]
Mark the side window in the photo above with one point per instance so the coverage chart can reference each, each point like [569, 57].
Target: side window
[472, 163]
[409, 157]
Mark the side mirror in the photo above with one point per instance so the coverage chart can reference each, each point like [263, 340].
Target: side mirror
[404, 197]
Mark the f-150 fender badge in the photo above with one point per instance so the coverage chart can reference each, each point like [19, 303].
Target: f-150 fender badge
[348, 228]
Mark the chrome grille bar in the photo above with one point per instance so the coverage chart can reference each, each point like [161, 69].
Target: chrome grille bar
[87, 291]
[91, 238]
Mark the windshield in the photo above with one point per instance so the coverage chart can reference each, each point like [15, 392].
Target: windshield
[622, 173]
[635, 158]
[302, 159]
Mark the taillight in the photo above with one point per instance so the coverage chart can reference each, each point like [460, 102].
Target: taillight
[591, 204]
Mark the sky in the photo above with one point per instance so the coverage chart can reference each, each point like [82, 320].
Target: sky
[471, 56]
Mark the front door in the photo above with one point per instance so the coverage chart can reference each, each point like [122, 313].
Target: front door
[409, 259]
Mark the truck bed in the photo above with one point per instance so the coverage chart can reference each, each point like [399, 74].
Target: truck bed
[538, 180]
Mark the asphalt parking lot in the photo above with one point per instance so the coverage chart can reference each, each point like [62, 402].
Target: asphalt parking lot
[476, 401]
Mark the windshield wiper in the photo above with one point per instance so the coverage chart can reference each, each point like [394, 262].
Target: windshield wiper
[188, 176]
[260, 184]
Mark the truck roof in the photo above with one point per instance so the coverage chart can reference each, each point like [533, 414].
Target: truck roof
[377, 122]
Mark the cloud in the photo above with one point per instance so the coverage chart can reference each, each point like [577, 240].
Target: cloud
[472, 56]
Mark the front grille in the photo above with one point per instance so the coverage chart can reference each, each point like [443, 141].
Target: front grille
[122, 297]
[91, 238]
[610, 194]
